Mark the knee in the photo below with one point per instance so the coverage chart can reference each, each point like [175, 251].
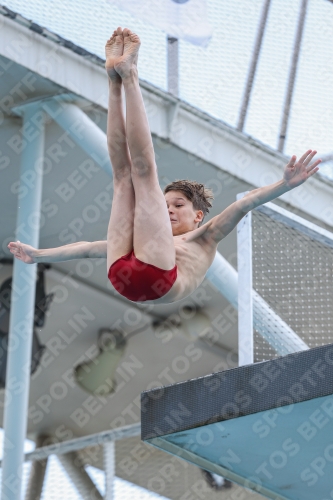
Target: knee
[143, 166]
[122, 182]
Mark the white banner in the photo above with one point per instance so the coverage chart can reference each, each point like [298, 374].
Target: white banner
[185, 19]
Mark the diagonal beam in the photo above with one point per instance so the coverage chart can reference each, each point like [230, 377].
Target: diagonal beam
[268, 324]
[76, 472]
[253, 66]
[37, 474]
[84, 132]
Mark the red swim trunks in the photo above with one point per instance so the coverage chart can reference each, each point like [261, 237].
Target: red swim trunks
[138, 281]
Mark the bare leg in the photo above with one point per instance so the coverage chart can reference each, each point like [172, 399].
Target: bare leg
[120, 229]
[153, 240]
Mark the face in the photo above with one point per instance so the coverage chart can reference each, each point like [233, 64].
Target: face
[183, 216]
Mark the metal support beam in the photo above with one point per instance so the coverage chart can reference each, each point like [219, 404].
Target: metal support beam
[245, 302]
[253, 66]
[22, 305]
[84, 132]
[73, 466]
[37, 474]
[84, 442]
[292, 76]
[173, 65]
[109, 453]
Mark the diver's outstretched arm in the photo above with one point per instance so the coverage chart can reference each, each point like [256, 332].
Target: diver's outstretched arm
[296, 172]
[79, 250]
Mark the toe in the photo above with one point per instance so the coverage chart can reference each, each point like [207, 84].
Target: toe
[119, 31]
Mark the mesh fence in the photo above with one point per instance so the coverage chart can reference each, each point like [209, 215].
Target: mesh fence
[213, 79]
[293, 273]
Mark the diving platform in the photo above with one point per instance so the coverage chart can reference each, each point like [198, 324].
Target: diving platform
[266, 426]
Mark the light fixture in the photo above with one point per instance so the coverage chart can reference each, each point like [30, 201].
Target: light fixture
[97, 376]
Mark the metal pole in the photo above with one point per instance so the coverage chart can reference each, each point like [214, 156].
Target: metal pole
[173, 65]
[84, 442]
[253, 66]
[245, 303]
[109, 468]
[292, 76]
[81, 129]
[22, 306]
[37, 474]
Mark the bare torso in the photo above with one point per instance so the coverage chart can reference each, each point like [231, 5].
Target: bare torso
[194, 256]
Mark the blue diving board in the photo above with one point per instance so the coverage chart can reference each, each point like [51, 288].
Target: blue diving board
[266, 426]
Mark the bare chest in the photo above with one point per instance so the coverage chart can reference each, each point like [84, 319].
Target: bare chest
[193, 259]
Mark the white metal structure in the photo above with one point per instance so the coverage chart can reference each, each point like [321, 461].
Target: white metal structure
[22, 312]
[72, 463]
[245, 298]
[284, 340]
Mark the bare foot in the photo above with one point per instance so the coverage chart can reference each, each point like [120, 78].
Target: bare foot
[113, 51]
[129, 59]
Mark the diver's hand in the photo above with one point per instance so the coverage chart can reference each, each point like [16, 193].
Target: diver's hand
[23, 252]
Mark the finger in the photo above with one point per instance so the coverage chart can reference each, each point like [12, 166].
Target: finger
[314, 171]
[291, 161]
[313, 165]
[310, 157]
[302, 158]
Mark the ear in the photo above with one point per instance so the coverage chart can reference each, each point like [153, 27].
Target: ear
[199, 216]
